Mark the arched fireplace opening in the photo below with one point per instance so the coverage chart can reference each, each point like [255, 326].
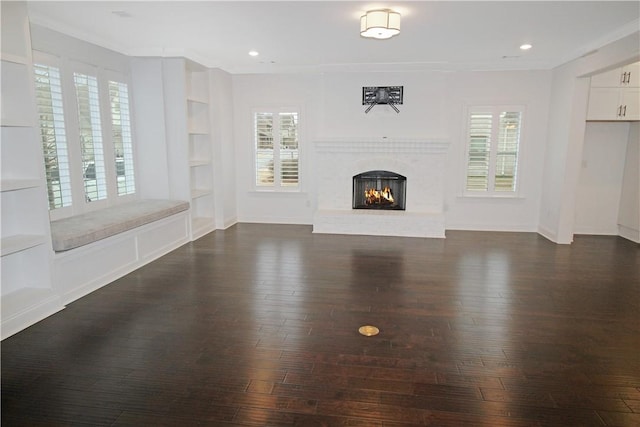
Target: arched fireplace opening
[379, 190]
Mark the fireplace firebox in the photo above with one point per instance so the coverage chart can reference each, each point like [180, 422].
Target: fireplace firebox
[379, 190]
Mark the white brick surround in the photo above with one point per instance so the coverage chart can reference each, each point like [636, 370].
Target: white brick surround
[422, 161]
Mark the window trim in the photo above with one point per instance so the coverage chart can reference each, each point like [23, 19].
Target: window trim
[273, 188]
[495, 110]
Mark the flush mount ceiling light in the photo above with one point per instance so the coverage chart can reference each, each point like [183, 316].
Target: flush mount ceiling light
[380, 24]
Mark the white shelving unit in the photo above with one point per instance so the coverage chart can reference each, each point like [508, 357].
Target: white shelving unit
[27, 294]
[200, 149]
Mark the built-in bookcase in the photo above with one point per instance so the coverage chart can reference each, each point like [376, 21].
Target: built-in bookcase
[200, 149]
[27, 294]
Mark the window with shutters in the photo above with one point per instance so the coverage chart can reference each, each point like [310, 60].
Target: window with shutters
[48, 90]
[276, 149]
[493, 144]
[86, 132]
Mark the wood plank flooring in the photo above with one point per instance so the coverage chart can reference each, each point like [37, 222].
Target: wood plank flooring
[257, 325]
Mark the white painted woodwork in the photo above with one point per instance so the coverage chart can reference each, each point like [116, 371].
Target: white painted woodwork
[27, 294]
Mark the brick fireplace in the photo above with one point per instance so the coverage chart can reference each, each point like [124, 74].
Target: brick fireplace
[421, 161]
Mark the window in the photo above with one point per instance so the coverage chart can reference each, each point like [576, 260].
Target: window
[493, 145]
[121, 136]
[86, 132]
[95, 184]
[54, 140]
[276, 145]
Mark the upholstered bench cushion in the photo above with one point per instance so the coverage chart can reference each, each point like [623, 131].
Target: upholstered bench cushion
[79, 230]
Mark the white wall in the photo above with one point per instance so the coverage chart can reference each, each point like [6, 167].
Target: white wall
[421, 115]
[528, 88]
[278, 90]
[433, 108]
[598, 195]
[149, 127]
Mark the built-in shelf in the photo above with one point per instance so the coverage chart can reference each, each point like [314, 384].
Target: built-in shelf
[27, 306]
[27, 294]
[201, 226]
[200, 149]
[199, 192]
[18, 184]
[20, 242]
[198, 223]
[16, 59]
[199, 162]
[16, 123]
[192, 98]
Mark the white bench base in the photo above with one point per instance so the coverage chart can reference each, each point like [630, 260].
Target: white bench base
[80, 271]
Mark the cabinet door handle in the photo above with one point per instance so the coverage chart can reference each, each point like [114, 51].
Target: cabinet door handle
[624, 111]
[628, 77]
[623, 77]
[619, 113]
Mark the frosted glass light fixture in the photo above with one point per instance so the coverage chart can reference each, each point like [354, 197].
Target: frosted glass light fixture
[380, 24]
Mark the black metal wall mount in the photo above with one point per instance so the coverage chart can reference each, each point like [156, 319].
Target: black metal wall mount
[386, 95]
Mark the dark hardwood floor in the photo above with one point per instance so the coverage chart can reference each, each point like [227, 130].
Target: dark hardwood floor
[258, 325]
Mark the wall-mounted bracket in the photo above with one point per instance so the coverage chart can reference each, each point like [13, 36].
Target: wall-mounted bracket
[389, 95]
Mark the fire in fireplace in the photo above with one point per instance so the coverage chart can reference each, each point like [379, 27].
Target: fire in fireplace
[379, 190]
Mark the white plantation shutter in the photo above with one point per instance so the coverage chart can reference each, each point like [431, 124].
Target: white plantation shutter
[72, 120]
[52, 131]
[264, 149]
[289, 149]
[507, 151]
[276, 145]
[492, 150]
[90, 130]
[480, 126]
[121, 137]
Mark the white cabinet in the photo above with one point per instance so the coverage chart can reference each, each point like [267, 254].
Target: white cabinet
[615, 94]
[614, 104]
[27, 294]
[627, 76]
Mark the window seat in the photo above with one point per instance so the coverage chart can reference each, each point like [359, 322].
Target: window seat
[80, 230]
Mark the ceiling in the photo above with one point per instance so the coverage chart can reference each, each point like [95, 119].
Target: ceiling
[317, 36]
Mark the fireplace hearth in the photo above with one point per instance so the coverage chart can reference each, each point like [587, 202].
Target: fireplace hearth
[379, 190]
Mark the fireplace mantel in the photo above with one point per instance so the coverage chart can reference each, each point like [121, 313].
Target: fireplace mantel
[421, 160]
[381, 145]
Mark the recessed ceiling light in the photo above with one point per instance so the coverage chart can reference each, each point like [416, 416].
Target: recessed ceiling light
[526, 46]
[253, 53]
